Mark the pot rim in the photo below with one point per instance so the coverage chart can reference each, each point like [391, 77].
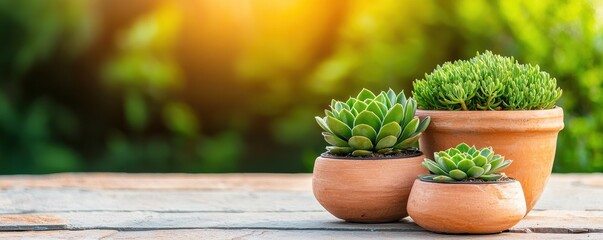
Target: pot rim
[469, 183]
[416, 153]
[493, 111]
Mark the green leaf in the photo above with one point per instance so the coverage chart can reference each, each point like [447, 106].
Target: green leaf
[428, 177]
[465, 164]
[361, 153]
[487, 168]
[340, 150]
[475, 171]
[390, 129]
[350, 102]
[334, 140]
[486, 152]
[391, 98]
[480, 160]
[502, 166]
[457, 174]
[365, 94]
[366, 131]
[347, 117]
[321, 122]
[453, 152]
[360, 106]
[339, 128]
[409, 111]
[410, 128]
[443, 178]
[360, 143]
[401, 98]
[463, 147]
[433, 167]
[408, 142]
[368, 118]
[394, 114]
[424, 124]
[386, 142]
[374, 107]
[448, 163]
[381, 98]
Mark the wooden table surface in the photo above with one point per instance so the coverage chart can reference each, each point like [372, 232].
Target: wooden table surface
[245, 206]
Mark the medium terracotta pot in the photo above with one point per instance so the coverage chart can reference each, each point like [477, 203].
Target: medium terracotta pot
[367, 191]
[476, 208]
[529, 138]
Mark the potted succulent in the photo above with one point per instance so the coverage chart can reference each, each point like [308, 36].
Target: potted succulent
[372, 161]
[465, 194]
[490, 100]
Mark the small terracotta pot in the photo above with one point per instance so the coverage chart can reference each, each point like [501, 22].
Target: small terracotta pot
[529, 138]
[367, 191]
[476, 208]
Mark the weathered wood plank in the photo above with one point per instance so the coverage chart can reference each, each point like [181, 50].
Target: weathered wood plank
[53, 200]
[62, 234]
[550, 221]
[284, 182]
[251, 234]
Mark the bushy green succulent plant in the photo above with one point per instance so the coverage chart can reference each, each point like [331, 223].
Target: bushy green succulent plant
[464, 162]
[486, 82]
[370, 123]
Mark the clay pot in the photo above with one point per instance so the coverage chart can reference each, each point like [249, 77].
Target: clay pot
[367, 191]
[529, 138]
[476, 208]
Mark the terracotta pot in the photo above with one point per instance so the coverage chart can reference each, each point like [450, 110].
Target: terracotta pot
[476, 208]
[367, 191]
[529, 138]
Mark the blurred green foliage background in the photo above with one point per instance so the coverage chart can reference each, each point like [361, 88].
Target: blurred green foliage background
[232, 86]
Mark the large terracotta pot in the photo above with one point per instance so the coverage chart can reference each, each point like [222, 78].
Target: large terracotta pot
[476, 208]
[529, 138]
[368, 191]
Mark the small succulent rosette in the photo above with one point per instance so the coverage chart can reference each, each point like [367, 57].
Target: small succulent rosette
[463, 163]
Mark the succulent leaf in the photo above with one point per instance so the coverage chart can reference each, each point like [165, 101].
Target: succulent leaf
[465, 164]
[390, 129]
[339, 128]
[347, 117]
[321, 122]
[366, 131]
[480, 160]
[391, 98]
[423, 124]
[339, 150]
[361, 153]
[365, 94]
[350, 102]
[395, 114]
[433, 167]
[360, 143]
[386, 142]
[374, 107]
[459, 164]
[368, 118]
[334, 140]
[443, 178]
[410, 128]
[360, 106]
[463, 147]
[457, 174]
[408, 142]
[475, 171]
